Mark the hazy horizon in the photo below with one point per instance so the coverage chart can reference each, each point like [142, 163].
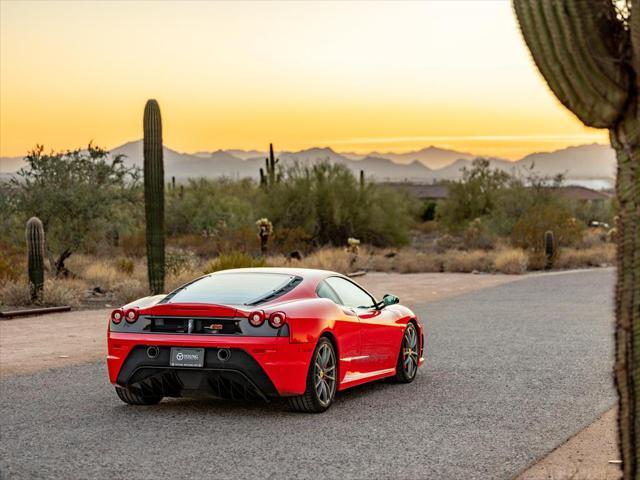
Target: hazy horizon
[359, 77]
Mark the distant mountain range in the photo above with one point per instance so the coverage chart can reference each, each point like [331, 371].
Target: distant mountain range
[580, 163]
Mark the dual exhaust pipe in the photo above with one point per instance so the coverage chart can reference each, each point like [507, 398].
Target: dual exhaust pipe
[223, 354]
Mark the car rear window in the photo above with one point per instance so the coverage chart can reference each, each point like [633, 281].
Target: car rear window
[239, 288]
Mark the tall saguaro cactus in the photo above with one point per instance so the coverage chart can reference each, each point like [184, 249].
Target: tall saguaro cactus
[589, 53]
[35, 252]
[154, 195]
[268, 176]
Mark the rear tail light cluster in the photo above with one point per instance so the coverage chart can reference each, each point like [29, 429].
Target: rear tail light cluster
[130, 315]
[117, 316]
[276, 319]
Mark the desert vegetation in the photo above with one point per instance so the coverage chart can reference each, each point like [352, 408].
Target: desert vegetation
[314, 216]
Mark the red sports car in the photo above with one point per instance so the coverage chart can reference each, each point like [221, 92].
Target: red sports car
[261, 333]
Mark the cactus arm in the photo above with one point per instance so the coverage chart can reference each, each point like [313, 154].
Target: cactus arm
[154, 195]
[561, 35]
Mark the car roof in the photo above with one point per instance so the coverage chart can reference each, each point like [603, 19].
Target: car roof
[308, 274]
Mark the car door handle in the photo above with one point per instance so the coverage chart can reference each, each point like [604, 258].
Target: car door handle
[350, 312]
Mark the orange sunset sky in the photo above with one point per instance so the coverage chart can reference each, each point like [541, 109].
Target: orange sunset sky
[353, 76]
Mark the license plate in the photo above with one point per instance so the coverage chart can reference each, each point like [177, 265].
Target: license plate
[187, 357]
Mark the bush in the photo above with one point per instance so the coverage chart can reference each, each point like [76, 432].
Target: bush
[125, 265]
[15, 294]
[233, 260]
[179, 261]
[570, 258]
[528, 232]
[63, 292]
[130, 289]
[55, 293]
[512, 262]
[467, 262]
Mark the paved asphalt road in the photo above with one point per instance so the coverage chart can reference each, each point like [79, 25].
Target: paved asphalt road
[511, 372]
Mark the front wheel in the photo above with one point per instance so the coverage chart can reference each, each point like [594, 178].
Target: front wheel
[134, 398]
[321, 380]
[408, 358]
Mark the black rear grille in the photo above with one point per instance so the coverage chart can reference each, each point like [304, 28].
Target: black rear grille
[223, 326]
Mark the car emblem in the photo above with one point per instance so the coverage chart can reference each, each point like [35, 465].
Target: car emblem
[216, 326]
[190, 326]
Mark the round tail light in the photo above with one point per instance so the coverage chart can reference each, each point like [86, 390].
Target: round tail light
[256, 318]
[117, 316]
[131, 315]
[277, 319]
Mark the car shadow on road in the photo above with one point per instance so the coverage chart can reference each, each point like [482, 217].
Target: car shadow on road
[277, 406]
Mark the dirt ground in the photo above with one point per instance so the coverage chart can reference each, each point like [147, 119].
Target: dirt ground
[58, 340]
[585, 456]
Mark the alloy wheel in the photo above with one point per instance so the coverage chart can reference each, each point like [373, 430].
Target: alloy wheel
[410, 351]
[325, 373]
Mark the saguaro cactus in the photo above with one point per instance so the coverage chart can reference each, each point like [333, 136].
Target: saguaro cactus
[268, 176]
[35, 251]
[154, 195]
[589, 53]
[549, 248]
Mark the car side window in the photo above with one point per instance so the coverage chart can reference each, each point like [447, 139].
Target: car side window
[325, 291]
[351, 294]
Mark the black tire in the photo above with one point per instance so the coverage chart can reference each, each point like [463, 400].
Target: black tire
[409, 355]
[322, 380]
[133, 398]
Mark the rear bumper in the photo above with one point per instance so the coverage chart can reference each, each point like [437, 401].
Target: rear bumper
[264, 366]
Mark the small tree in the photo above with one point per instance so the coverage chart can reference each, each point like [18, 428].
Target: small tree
[79, 195]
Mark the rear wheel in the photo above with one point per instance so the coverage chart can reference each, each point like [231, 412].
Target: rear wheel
[134, 398]
[407, 365]
[321, 380]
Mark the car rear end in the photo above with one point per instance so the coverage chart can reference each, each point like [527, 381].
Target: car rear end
[176, 347]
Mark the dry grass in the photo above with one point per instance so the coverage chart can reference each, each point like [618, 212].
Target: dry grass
[55, 293]
[14, 293]
[602, 255]
[130, 289]
[63, 292]
[125, 278]
[512, 262]
[467, 262]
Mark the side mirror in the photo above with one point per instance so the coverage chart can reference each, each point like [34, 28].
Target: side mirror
[389, 299]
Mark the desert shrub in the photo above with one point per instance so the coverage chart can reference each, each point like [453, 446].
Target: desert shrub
[63, 292]
[125, 265]
[212, 207]
[512, 261]
[15, 294]
[234, 260]
[56, 292]
[467, 261]
[130, 289]
[327, 202]
[477, 236]
[178, 261]
[474, 196]
[134, 244]
[528, 231]
[101, 273]
[83, 197]
[333, 259]
[589, 257]
[13, 262]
